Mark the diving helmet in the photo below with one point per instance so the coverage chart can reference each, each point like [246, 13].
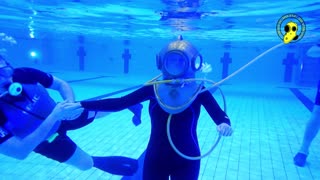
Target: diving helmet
[179, 59]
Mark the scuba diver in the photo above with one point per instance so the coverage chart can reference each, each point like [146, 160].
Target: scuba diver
[178, 100]
[31, 121]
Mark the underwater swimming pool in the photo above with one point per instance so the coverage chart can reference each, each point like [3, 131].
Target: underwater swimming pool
[107, 48]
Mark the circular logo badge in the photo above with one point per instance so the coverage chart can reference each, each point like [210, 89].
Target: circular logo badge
[291, 28]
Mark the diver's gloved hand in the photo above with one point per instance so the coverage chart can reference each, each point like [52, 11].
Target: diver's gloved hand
[117, 165]
[67, 111]
[136, 110]
[224, 129]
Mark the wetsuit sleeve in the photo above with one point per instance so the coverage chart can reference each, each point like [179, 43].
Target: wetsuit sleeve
[32, 76]
[117, 104]
[213, 108]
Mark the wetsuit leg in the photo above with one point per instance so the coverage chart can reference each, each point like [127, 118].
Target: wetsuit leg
[154, 169]
[162, 169]
[78, 123]
[311, 131]
[190, 170]
[60, 149]
[119, 165]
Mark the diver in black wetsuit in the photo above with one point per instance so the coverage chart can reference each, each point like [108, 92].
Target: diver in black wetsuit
[31, 121]
[183, 100]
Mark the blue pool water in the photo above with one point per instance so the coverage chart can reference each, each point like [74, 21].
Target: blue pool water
[107, 48]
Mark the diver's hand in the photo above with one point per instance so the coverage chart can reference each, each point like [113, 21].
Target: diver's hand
[67, 111]
[72, 111]
[224, 129]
